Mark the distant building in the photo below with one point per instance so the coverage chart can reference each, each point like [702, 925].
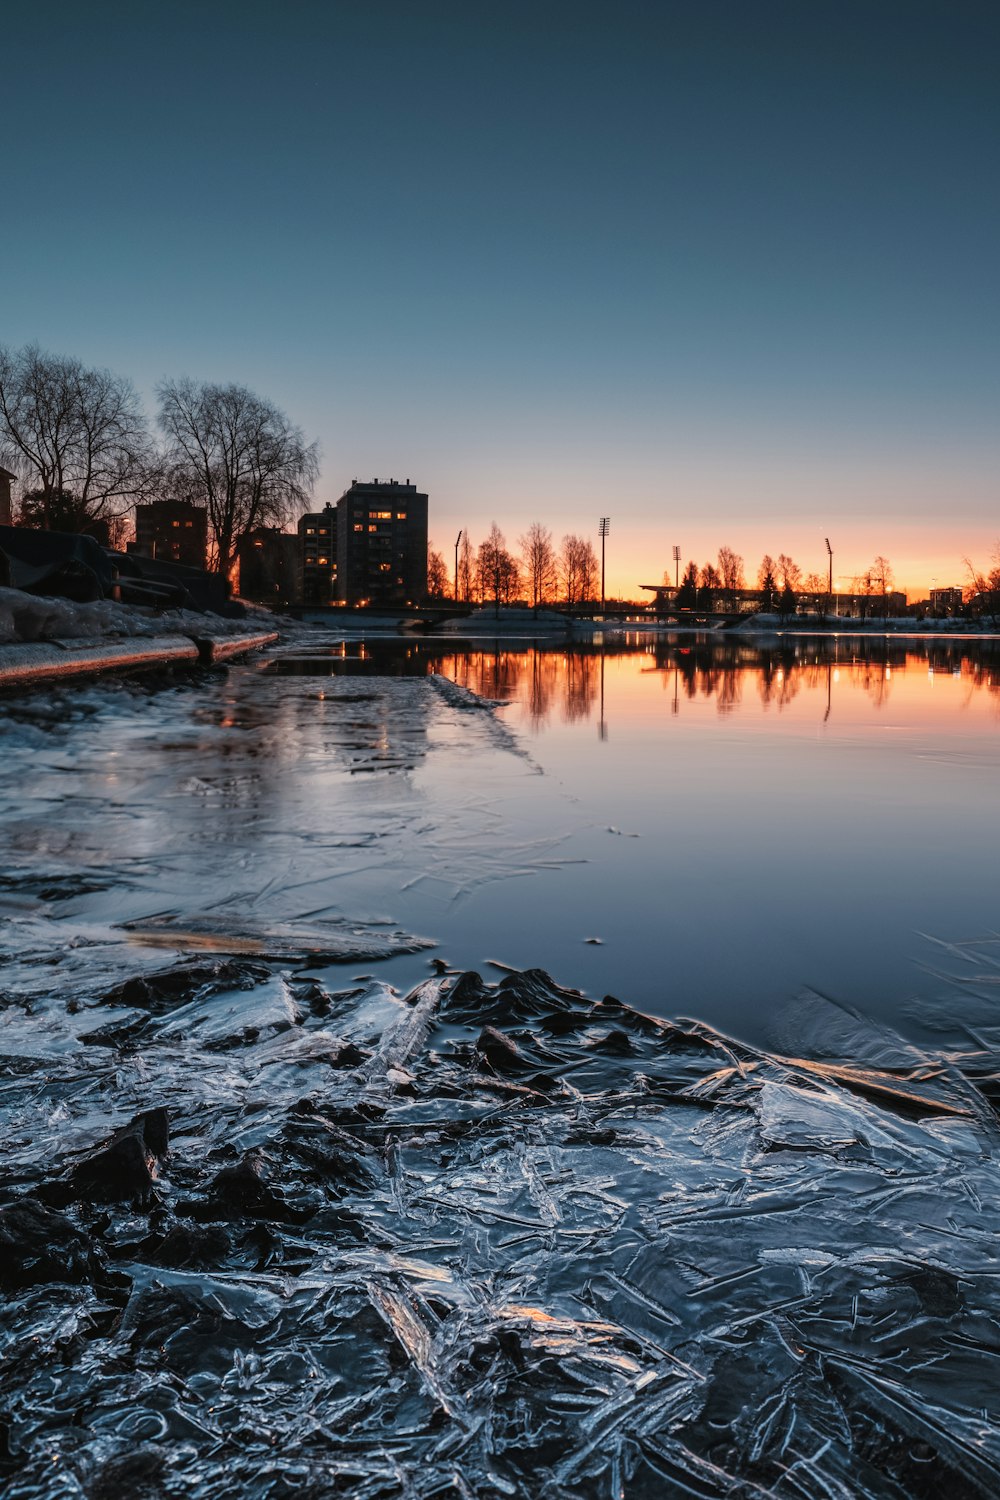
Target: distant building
[369, 548]
[6, 513]
[318, 556]
[270, 566]
[382, 544]
[172, 531]
[946, 601]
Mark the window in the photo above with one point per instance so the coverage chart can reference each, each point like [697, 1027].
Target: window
[175, 523]
[401, 515]
[188, 523]
[380, 515]
[310, 531]
[373, 528]
[358, 526]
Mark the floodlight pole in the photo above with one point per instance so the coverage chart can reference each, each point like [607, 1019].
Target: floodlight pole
[457, 540]
[677, 567]
[604, 526]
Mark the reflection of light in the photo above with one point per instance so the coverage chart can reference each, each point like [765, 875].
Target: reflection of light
[836, 674]
[781, 675]
[888, 673]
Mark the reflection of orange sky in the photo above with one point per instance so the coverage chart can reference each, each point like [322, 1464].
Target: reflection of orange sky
[909, 690]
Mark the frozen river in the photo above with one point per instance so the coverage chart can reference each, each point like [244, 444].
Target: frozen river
[703, 829]
[284, 1213]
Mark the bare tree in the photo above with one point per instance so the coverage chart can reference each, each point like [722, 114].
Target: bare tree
[730, 569]
[789, 572]
[237, 454]
[77, 436]
[578, 569]
[538, 559]
[817, 584]
[437, 575]
[710, 577]
[982, 594]
[466, 568]
[498, 573]
[880, 574]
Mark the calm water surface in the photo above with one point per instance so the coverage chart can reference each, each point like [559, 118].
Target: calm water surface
[734, 823]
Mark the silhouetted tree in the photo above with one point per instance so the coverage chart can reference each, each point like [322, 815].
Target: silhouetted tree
[466, 568]
[78, 437]
[730, 569]
[687, 594]
[767, 582]
[788, 602]
[710, 577]
[538, 559]
[498, 575]
[437, 575]
[817, 584]
[237, 454]
[578, 568]
[789, 572]
[982, 594]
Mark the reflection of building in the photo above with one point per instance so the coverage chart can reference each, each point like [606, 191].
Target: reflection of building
[172, 531]
[382, 544]
[269, 566]
[5, 506]
[318, 546]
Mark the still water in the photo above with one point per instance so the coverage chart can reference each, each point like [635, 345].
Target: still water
[704, 828]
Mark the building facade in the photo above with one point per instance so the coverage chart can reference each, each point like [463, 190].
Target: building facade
[382, 544]
[318, 556]
[172, 531]
[270, 566]
[6, 509]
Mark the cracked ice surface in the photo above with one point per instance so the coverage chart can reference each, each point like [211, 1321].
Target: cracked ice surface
[255, 815]
[490, 1240]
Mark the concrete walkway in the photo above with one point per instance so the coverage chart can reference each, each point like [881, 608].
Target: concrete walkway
[55, 660]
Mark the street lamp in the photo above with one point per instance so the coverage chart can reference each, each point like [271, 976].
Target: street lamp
[677, 567]
[457, 540]
[604, 526]
[829, 587]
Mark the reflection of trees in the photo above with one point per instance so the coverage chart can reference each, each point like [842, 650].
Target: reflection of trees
[581, 687]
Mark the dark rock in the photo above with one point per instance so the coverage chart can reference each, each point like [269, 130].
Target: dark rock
[189, 1245]
[138, 1475]
[39, 1245]
[125, 1166]
[501, 1053]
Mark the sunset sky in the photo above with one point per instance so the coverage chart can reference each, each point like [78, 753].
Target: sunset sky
[722, 270]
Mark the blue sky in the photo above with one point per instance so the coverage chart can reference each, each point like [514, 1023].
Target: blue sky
[723, 270]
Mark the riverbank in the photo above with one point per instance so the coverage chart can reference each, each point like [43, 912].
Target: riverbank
[268, 1235]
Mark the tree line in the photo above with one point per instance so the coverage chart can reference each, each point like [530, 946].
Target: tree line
[780, 582]
[85, 453]
[539, 571]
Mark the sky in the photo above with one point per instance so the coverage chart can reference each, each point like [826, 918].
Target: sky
[725, 271]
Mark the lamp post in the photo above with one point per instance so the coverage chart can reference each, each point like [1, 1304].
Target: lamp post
[604, 526]
[457, 540]
[829, 587]
[677, 567]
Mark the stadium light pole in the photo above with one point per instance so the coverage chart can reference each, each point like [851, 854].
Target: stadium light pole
[829, 550]
[457, 540]
[604, 526]
[677, 567]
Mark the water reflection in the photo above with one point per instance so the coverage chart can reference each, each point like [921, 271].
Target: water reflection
[566, 683]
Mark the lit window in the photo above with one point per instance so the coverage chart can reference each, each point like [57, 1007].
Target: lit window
[188, 523]
[358, 526]
[321, 559]
[175, 523]
[373, 528]
[380, 515]
[384, 568]
[401, 515]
